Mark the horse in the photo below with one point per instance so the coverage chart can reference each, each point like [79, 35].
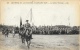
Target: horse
[3, 32]
[26, 37]
[6, 33]
[22, 35]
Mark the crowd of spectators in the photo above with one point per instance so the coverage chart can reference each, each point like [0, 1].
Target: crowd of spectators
[59, 29]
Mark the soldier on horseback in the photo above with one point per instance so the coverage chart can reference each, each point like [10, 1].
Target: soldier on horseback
[6, 32]
[22, 33]
[28, 28]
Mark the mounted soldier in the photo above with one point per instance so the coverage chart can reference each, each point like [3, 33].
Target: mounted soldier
[6, 32]
[28, 29]
[22, 33]
[3, 31]
[25, 32]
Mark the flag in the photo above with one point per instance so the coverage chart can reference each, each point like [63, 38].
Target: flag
[20, 21]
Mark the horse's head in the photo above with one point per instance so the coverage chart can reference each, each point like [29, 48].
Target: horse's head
[27, 31]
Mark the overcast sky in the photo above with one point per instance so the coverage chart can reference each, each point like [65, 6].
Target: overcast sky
[42, 14]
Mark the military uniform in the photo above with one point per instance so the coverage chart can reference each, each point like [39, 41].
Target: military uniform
[27, 26]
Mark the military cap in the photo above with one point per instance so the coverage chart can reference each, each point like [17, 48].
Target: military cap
[27, 20]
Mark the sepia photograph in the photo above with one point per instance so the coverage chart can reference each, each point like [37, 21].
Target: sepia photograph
[39, 25]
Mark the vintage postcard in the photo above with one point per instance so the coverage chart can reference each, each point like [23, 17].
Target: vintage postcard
[39, 24]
